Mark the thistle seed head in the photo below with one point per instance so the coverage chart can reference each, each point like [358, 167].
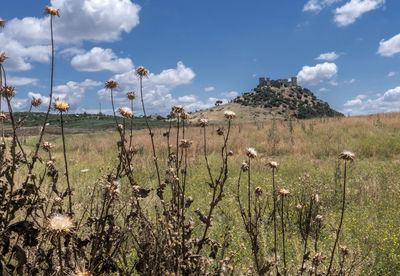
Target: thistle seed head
[185, 143]
[347, 156]
[60, 224]
[142, 72]
[61, 105]
[344, 250]
[111, 84]
[273, 164]
[203, 122]
[52, 11]
[251, 153]
[229, 114]
[3, 56]
[177, 109]
[245, 166]
[318, 218]
[258, 191]
[131, 95]
[299, 207]
[284, 192]
[3, 116]
[47, 146]
[220, 131]
[36, 102]
[2, 23]
[184, 116]
[125, 112]
[7, 91]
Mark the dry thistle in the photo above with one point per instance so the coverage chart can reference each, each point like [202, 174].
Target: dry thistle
[52, 11]
[185, 143]
[2, 23]
[142, 72]
[344, 250]
[60, 224]
[58, 201]
[229, 114]
[258, 191]
[125, 112]
[184, 116]
[284, 192]
[299, 207]
[7, 91]
[3, 56]
[3, 116]
[177, 109]
[131, 95]
[111, 84]
[47, 146]
[318, 218]
[251, 153]
[61, 105]
[347, 156]
[273, 164]
[220, 131]
[203, 122]
[36, 102]
[245, 166]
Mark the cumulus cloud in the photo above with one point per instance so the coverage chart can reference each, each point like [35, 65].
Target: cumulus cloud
[323, 89]
[318, 73]
[386, 102]
[349, 12]
[330, 56]
[231, 94]
[98, 59]
[392, 74]
[157, 90]
[209, 89]
[390, 47]
[21, 81]
[318, 5]
[27, 39]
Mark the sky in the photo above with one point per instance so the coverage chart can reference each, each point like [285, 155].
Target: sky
[346, 51]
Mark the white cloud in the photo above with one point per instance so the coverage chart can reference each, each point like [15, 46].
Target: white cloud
[390, 47]
[330, 56]
[18, 104]
[352, 81]
[318, 5]
[98, 59]
[392, 74]
[28, 39]
[157, 90]
[209, 89]
[349, 12]
[333, 83]
[21, 81]
[386, 102]
[323, 89]
[317, 73]
[231, 94]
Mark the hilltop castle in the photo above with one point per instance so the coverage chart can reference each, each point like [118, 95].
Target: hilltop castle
[280, 82]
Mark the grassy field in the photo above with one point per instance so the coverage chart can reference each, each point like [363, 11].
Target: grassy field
[307, 152]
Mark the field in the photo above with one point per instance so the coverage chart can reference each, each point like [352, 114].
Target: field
[307, 153]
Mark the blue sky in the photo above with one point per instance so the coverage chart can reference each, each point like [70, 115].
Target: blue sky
[346, 51]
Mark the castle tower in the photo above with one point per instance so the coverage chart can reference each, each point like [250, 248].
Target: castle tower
[261, 81]
[294, 81]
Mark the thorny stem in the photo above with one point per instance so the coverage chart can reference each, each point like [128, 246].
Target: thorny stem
[306, 237]
[206, 156]
[66, 165]
[283, 237]
[60, 254]
[274, 217]
[341, 219]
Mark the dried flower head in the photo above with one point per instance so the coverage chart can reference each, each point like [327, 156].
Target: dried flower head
[185, 143]
[318, 218]
[273, 164]
[2, 23]
[36, 102]
[203, 122]
[7, 91]
[245, 166]
[251, 153]
[57, 201]
[131, 95]
[184, 116]
[220, 131]
[315, 197]
[230, 153]
[61, 105]
[258, 191]
[111, 84]
[284, 192]
[125, 112]
[347, 156]
[47, 146]
[142, 72]
[52, 11]
[3, 115]
[229, 114]
[3, 57]
[344, 250]
[318, 259]
[299, 207]
[177, 109]
[60, 224]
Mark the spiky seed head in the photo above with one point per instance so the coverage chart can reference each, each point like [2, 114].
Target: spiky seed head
[3, 116]
[220, 131]
[185, 143]
[61, 105]
[184, 116]
[125, 112]
[36, 102]
[299, 207]
[347, 155]
[318, 218]
[344, 250]
[47, 146]
[251, 153]
[141, 72]
[7, 91]
[284, 192]
[258, 191]
[177, 109]
[315, 197]
[60, 224]
[229, 114]
[58, 201]
[273, 164]
[203, 122]
[3, 58]
[230, 153]
[245, 166]
[2, 23]
[111, 84]
[52, 11]
[131, 95]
